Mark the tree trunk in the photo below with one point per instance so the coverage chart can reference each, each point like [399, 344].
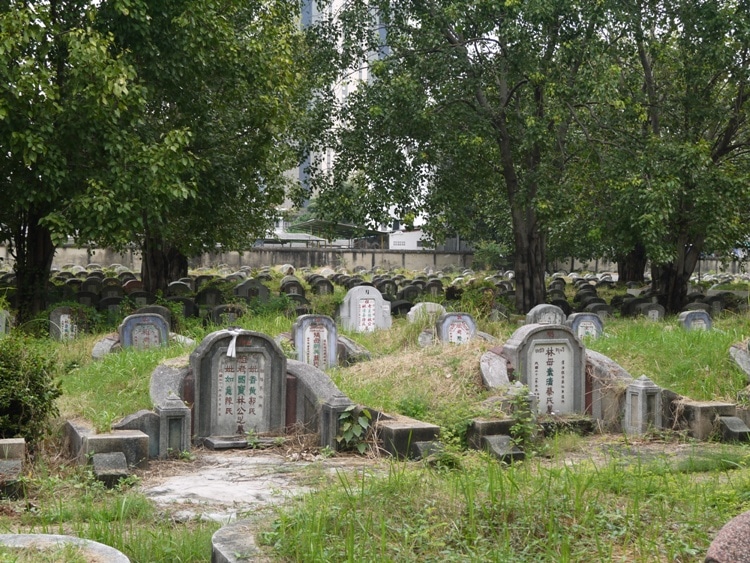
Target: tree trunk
[530, 260]
[632, 266]
[671, 279]
[162, 263]
[34, 252]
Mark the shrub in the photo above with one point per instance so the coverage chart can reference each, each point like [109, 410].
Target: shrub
[27, 389]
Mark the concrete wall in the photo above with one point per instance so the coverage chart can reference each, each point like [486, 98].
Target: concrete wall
[340, 257]
[270, 256]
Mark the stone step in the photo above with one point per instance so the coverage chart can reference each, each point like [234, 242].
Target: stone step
[733, 429]
[503, 448]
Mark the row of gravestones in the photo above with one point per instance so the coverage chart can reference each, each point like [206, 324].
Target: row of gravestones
[591, 324]
[635, 302]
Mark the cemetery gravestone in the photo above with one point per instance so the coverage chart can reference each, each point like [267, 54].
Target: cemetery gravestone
[315, 339]
[653, 311]
[550, 360]
[456, 328]
[253, 289]
[545, 314]
[585, 325]
[227, 314]
[365, 310]
[695, 320]
[144, 331]
[62, 324]
[240, 384]
[4, 322]
[425, 310]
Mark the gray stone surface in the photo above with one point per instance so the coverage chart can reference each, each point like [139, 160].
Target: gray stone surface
[365, 310]
[426, 311]
[503, 448]
[732, 543]
[350, 352]
[585, 325]
[733, 429]
[455, 328]
[110, 468]
[741, 357]
[133, 443]
[545, 314]
[247, 370]
[607, 381]
[695, 320]
[91, 550]
[12, 448]
[104, 346]
[400, 433]
[148, 423]
[494, 368]
[550, 360]
[315, 338]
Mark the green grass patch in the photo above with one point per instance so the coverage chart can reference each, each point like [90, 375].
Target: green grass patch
[614, 510]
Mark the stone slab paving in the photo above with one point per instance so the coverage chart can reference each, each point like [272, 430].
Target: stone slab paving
[227, 485]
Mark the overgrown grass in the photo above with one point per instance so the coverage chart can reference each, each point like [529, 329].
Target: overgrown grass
[618, 509]
[68, 500]
[695, 363]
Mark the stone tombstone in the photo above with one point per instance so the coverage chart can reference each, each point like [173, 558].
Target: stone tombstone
[652, 311]
[315, 339]
[240, 384]
[143, 331]
[62, 324]
[111, 291]
[141, 298]
[156, 310]
[322, 286]
[456, 328]
[87, 298]
[4, 322]
[550, 360]
[585, 325]
[291, 286]
[365, 310]
[227, 314]
[545, 314]
[695, 320]
[178, 288]
[253, 289]
[209, 297]
[434, 288]
[425, 310]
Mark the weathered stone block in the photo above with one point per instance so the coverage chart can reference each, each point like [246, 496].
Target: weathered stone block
[110, 468]
[503, 448]
[699, 417]
[132, 443]
[399, 434]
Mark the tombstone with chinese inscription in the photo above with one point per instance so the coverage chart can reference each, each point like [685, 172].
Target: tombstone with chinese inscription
[4, 322]
[240, 385]
[142, 331]
[456, 328]
[545, 314]
[550, 360]
[315, 339]
[365, 310]
[585, 325]
[695, 320]
[63, 324]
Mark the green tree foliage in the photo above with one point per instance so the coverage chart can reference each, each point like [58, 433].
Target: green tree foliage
[69, 101]
[668, 138]
[228, 72]
[465, 120]
[161, 123]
